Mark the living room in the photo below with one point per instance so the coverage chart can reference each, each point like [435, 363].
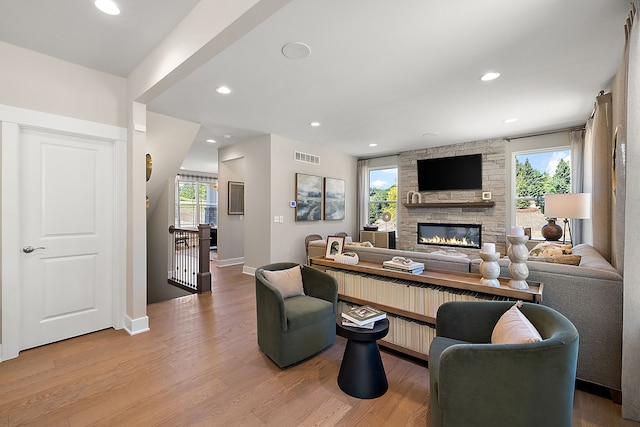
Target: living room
[80, 88]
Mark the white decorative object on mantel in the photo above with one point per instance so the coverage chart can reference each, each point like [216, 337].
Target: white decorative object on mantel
[518, 254]
[414, 197]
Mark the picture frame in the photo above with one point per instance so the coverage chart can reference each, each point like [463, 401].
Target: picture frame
[236, 198]
[334, 199]
[308, 197]
[335, 245]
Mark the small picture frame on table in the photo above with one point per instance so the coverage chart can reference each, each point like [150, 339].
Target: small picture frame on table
[335, 244]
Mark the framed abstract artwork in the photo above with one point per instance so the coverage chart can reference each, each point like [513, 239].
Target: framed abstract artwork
[308, 197]
[334, 199]
[236, 198]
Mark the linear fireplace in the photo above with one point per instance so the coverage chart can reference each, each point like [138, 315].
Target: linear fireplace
[458, 235]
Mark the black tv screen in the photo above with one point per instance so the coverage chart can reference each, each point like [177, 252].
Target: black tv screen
[450, 173]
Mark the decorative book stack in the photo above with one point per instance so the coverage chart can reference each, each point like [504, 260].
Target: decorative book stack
[403, 264]
[362, 317]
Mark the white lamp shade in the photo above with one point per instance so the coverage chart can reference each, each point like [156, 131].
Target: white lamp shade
[569, 205]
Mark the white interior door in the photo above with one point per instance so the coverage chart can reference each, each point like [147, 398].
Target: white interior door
[67, 230]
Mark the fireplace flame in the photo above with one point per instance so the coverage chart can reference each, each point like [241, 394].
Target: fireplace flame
[437, 240]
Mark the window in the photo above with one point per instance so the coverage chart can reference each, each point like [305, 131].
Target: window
[538, 173]
[383, 197]
[196, 201]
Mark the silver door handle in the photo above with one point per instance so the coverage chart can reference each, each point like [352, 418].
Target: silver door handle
[29, 249]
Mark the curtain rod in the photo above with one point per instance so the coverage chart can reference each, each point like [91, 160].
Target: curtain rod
[551, 132]
[379, 157]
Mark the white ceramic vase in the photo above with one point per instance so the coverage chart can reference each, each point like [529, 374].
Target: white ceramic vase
[518, 254]
[489, 269]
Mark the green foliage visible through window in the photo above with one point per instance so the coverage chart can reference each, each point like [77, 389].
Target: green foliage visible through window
[536, 174]
[383, 196]
[532, 184]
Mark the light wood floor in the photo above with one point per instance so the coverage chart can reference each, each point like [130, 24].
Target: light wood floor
[200, 365]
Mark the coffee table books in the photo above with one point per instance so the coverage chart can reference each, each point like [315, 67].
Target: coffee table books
[405, 265]
[346, 322]
[364, 315]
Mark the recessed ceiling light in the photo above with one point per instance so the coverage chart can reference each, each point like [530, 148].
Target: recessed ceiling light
[223, 90]
[315, 124]
[212, 141]
[428, 134]
[226, 135]
[490, 76]
[108, 7]
[511, 120]
[373, 145]
[296, 50]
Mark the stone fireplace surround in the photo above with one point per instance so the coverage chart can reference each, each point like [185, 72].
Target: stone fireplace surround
[493, 180]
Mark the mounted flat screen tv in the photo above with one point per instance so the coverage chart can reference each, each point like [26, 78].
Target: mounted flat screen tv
[450, 173]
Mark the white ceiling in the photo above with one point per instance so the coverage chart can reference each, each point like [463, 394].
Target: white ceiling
[402, 74]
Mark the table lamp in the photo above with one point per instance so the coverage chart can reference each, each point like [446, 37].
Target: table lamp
[568, 205]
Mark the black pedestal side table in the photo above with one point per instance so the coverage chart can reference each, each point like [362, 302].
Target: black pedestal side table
[361, 372]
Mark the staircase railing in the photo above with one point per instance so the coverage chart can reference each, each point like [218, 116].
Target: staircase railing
[190, 258]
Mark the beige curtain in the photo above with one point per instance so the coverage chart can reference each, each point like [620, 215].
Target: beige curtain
[597, 176]
[576, 138]
[363, 195]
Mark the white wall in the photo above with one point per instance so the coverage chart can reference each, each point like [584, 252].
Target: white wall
[168, 140]
[231, 249]
[159, 247]
[38, 82]
[287, 242]
[245, 239]
[631, 311]
[269, 171]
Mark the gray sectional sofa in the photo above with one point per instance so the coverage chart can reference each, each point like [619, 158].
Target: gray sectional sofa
[589, 294]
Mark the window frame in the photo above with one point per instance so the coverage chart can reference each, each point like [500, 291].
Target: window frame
[198, 204]
[368, 200]
[513, 209]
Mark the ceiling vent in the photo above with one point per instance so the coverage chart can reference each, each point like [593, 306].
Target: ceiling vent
[307, 158]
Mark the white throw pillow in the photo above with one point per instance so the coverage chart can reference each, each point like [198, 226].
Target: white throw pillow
[288, 282]
[514, 328]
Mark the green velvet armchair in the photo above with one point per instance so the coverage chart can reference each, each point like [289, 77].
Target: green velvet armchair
[475, 383]
[295, 328]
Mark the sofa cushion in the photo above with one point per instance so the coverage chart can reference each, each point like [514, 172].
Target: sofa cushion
[303, 310]
[590, 257]
[514, 328]
[288, 282]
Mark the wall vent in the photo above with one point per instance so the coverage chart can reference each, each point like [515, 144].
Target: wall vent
[307, 158]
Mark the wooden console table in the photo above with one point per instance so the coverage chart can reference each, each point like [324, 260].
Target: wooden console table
[412, 300]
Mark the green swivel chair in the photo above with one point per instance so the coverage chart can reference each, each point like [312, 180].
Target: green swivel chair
[295, 328]
[475, 383]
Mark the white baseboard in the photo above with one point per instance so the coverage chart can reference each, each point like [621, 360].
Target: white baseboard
[230, 261]
[249, 270]
[137, 326]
